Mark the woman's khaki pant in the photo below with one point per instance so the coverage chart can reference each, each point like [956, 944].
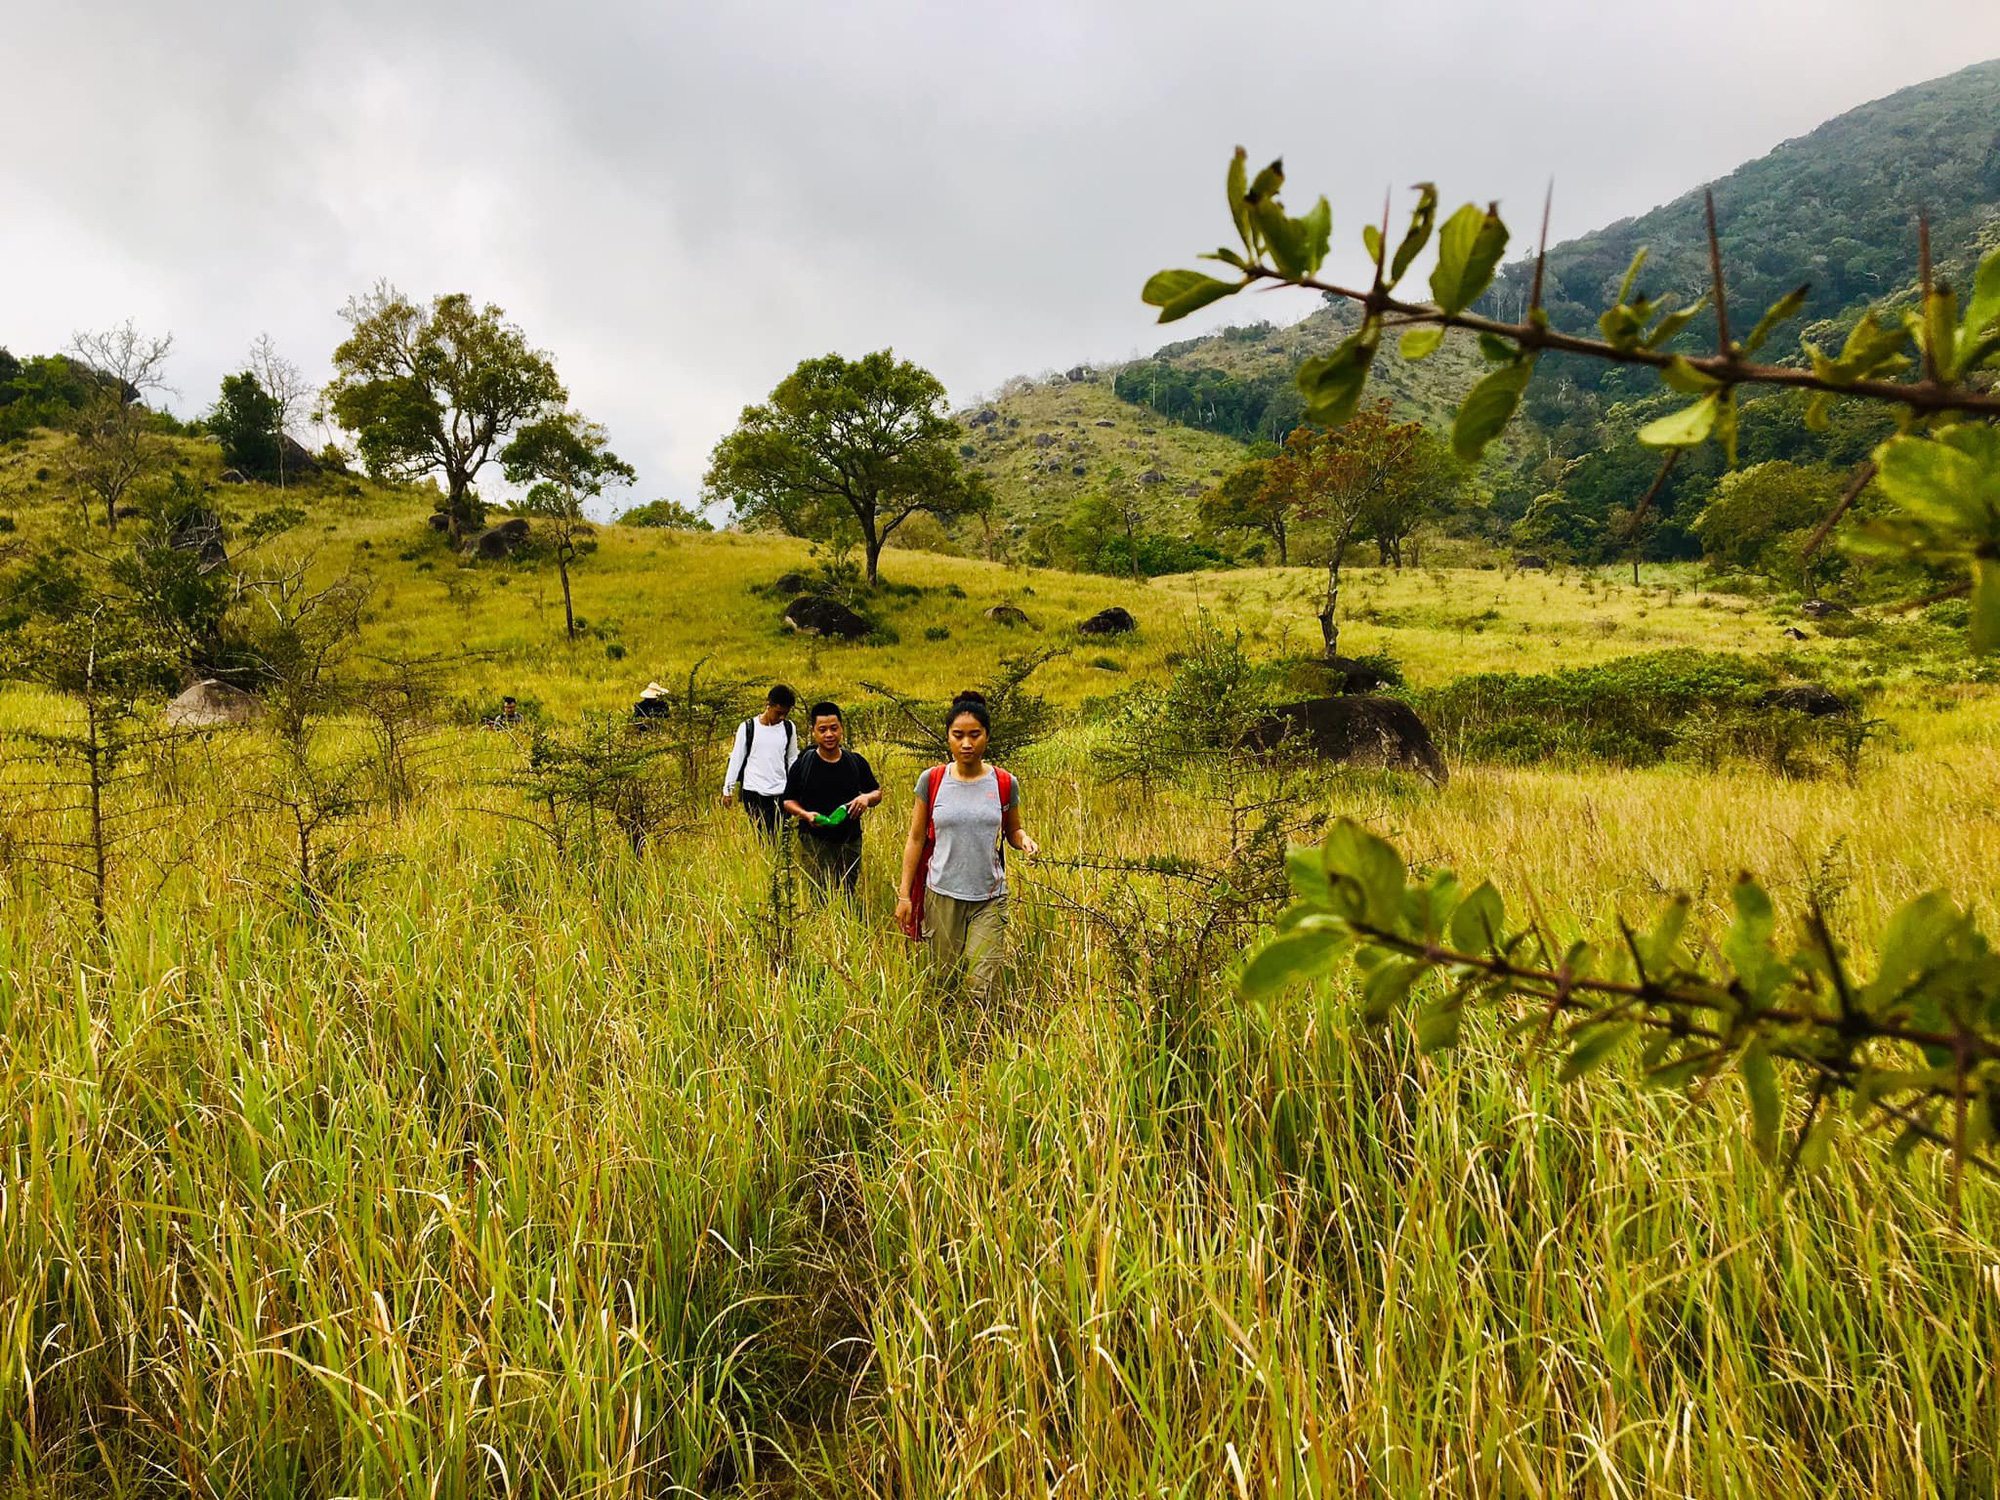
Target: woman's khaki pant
[968, 942]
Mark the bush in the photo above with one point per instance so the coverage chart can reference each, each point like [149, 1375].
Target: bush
[613, 651]
[937, 633]
[1632, 711]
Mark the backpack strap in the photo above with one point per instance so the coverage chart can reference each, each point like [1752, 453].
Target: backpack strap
[736, 775]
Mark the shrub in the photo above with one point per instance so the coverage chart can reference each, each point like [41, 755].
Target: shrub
[1631, 711]
[937, 633]
[613, 651]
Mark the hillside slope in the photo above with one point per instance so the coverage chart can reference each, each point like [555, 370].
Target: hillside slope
[1837, 207]
[1044, 445]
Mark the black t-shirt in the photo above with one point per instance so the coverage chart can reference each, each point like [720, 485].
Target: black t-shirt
[820, 785]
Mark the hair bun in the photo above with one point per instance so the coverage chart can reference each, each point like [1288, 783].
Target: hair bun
[970, 695]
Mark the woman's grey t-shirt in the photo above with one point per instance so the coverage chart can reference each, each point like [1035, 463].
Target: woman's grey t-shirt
[966, 821]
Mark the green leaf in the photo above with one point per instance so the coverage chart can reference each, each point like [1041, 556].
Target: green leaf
[1748, 946]
[1469, 250]
[1598, 1044]
[1477, 926]
[1686, 428]
[1332, 383]
[1785, 307]
[1673, 323]
[1371, 241]
[1307, 871]
[1941, 327]
[1178, 293]
[1284, 236]
[1681, 376]
[1438, 1023]
[1982, 312]
[1496, 350]
[1422, 220]
[1317, 227]
[1984, 636]
[1767, 1108]
[1631, 275]
[1286, 960]
[1725, 425]
[1488, 408]
[1239, 211]
[1621, 327]
[1422, 343]
[1662, 946]
[1228, 257]
[1950, 481]
[1371, 866]
[1386, 987]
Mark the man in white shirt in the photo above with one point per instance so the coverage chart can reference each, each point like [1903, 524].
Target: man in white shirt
[763, 754]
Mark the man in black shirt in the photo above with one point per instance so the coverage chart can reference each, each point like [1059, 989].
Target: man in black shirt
[828, 790]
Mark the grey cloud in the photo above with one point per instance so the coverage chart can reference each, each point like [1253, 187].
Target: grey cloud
[681, 201]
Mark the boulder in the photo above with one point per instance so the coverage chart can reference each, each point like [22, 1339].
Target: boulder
[1529, 562]
[211, 704]
[1044, 440]
[516, 527]
[300, 461]
[491, 544]
[1821, 609]
[1153, 476]
[437, 520]
[1113, 621]
[1359, 731]
[1007, 614]
[1811, 698]
[1793, 633]
[789, 583]
[1346, 675]
[986, 416]
[811, 615]
[1079, 470]
[231, 476]
[1191, 491]
[1106, 422]
[1079, 372]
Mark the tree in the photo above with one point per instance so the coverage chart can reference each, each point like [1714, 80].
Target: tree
[1249, 500]
[666, 515]
[437, 390]
[1335, 478]
[1429, 482]
[862, 444]
[286, 386]
[246, 423]
[566, 460]
[1758, 517]
[113, 449]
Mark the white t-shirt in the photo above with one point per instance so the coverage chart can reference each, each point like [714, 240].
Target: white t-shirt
[773, 748]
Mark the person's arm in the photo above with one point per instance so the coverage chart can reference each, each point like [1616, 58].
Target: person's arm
[729, 766]
[913, 856]
[1010, 825]
[795, 788]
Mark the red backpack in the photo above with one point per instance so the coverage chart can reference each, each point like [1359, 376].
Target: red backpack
[914, 929]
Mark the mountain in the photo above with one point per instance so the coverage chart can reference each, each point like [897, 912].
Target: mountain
[1837, 207]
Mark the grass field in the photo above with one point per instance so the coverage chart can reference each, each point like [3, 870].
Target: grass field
[504, 1173]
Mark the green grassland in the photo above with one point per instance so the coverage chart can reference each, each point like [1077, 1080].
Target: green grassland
[500, 1172]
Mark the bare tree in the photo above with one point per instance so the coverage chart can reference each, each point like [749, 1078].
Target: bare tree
[112, 449]
[286, 384]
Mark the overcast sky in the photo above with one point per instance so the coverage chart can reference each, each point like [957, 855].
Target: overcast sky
[681, 200]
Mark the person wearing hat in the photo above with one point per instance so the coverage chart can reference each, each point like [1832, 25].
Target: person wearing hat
[652, 706]
[761, 758]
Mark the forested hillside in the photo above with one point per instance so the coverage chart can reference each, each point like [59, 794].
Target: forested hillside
[1837, 208]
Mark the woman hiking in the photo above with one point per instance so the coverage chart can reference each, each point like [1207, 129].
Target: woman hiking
[954, 883]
